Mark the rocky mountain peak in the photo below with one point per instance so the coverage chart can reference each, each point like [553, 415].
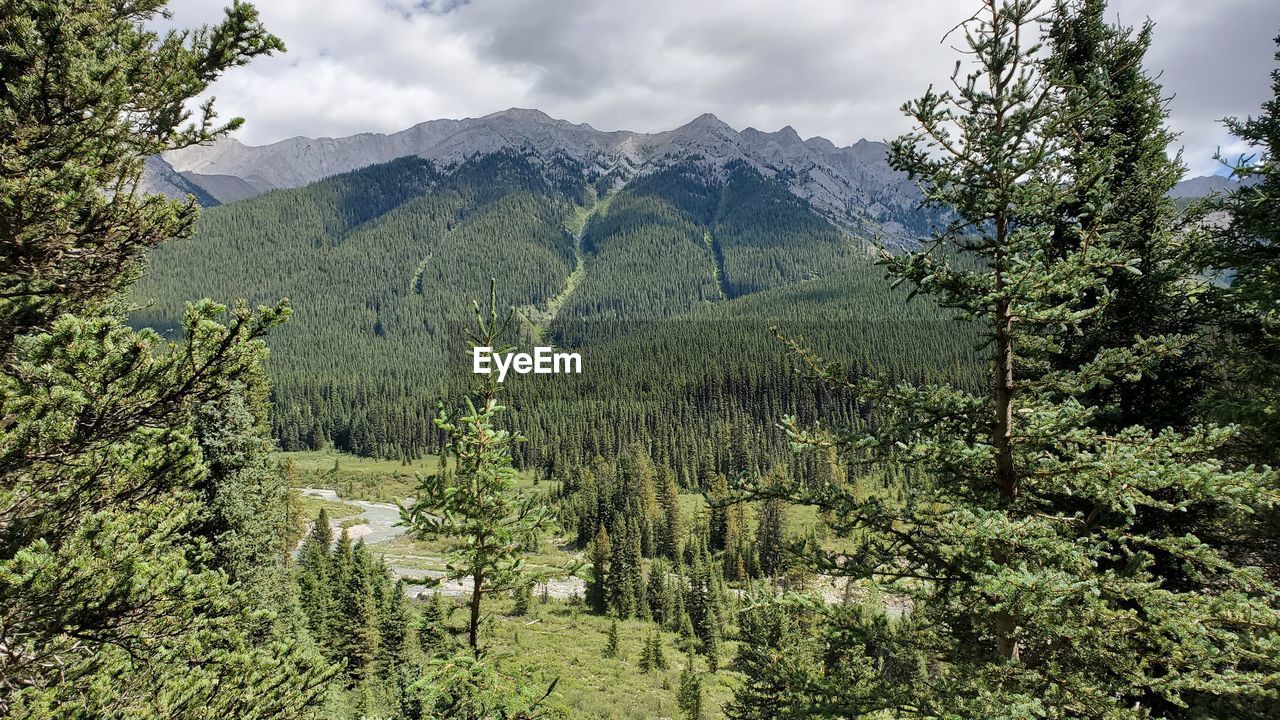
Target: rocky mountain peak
[839, 182]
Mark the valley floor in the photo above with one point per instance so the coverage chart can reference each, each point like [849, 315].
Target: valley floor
[557, 638]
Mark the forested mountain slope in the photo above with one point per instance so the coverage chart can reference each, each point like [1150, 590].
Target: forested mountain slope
[382, 264]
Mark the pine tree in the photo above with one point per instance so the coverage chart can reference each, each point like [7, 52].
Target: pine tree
[771, 537]
[778, 656]
[1122, 174]
[704, 611]
[622, 593]
[431, 628]
[244, 493]
[479, 506]
[523, 595]
[1050, 563]
[611, 647]
[634, 568]
[737, 553]
[646, 656]
[114, 562]
[656, 654]
[342, 580]
[656, 593]
[711, 647]
[723, 522]
[688, 636]
[640, 478]
[678, 615]
[360, 633]
[315, 579]
[598, 588]
[394, 619]
[689, 697]
[669, 529]
[1248, 249]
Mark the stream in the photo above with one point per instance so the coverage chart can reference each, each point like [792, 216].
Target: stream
[380, 523]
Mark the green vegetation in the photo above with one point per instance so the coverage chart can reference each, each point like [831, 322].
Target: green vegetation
[1011, 500]
[1057, 566]
[1248, 249]
[142, 523]
[477, 507]
[355, 477]
[560, 640]
[379, 261]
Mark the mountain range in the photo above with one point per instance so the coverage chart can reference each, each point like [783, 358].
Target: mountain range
[852, 186]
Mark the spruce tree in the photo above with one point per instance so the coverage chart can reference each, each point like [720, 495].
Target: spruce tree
[244, 493]
[635, 570]
[646, 657]
[689, 696]
[622, 589]
[771, 537]
[1119, 176]
[112, 560]
[611, 646]
[478, 506]
[656, 594]
[704, 610]
[315, 579]
[598, 588]
[656, 653]
[433, 634]
[1048, 562]
[522, 595]
[394, 620]
[361, 632]
[778, 655]
[669, 529]
[723, 522]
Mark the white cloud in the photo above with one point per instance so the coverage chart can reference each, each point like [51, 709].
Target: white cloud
[837, 68]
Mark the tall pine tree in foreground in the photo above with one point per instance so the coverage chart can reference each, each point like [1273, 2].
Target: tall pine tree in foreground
[119, 451]
[488, 522]
[478, 505]
[1046, 563]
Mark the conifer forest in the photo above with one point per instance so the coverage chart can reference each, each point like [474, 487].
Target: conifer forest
[980, 422]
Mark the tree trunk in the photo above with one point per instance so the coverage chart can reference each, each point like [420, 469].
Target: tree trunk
[474, 632]
[1002, 434]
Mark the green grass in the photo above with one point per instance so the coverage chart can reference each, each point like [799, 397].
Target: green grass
[356, 477]
[360, 478]
[311, 507]
[557, 640]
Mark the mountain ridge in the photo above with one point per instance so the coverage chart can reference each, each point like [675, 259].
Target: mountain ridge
[854, 185]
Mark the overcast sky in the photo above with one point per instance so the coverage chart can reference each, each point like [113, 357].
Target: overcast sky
[836, 68]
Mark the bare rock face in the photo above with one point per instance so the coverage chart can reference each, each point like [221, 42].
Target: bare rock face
[159, 177]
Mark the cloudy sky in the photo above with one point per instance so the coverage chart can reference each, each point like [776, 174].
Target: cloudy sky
[836, 68]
